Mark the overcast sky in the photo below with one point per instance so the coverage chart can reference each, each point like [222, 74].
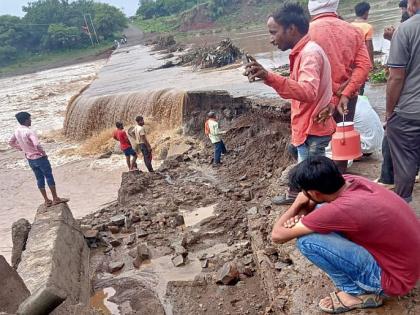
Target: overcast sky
[14, 7]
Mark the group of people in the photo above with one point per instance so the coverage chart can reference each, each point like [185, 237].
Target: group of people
[24, 139]
[133, 142]
[363, 236]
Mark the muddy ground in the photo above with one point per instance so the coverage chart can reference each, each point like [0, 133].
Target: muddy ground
[200, 217]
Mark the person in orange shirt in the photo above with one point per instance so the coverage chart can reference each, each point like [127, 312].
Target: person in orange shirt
[345, 47]
[309, 86]
[362, 14]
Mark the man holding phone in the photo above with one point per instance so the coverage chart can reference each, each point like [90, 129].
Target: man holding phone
[309, 86]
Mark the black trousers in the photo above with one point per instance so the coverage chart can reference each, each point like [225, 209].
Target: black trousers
[147, 157]
[404, 143]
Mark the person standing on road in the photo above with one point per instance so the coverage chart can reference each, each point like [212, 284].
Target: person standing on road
[345, 48]
[142, 144]
[26, 140]
[125, 145]
[403, 102]
[362, 14]
[363, 236]
[211, 129]
[309, 86]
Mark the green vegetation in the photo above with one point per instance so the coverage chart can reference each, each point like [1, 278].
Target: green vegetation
[51, 26]
[152, 9]
[164, 24]
[378, 76]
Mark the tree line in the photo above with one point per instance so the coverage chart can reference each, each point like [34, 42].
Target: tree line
[54, 25]
[156, 8]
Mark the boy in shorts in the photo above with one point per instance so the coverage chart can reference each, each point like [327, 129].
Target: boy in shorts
[125, 145]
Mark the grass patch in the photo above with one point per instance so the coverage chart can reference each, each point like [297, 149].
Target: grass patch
[164, 24]
[33, 61]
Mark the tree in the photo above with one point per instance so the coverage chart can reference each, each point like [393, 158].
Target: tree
[60, 36]
[108, 20]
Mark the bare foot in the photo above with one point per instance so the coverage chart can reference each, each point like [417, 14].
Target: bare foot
[48, 203]
[345, 298]
[60, 200]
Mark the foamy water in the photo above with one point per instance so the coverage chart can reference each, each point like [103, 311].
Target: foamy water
[44, 94]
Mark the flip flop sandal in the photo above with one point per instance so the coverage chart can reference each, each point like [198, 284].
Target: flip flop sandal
[62, 200]
[367, 301]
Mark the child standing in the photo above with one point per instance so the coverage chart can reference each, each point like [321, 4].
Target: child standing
[125, 145]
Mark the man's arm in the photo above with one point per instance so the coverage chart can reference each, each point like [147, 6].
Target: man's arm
[146, 142]
[305, 89]
[399, 56]
[369, 46]
[361, 68]
[14, 144]
[394, 87]
[281, 233]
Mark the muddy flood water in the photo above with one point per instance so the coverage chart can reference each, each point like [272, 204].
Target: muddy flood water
[92, 183]
[88, 183]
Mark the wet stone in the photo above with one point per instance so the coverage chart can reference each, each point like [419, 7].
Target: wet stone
[113, 229]
[204, 263]
[91, 234]
[115, 266]
[180, 250]
[135, 218]
[178, 260]
[247, 260]
[142, 254]
[228, 274]
[140, 232]
[131, 239]
[118, 220]
[179, 220]
[252, 211]
[115, 242]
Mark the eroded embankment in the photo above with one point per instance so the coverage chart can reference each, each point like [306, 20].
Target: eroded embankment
[174, 237]
[191, 209]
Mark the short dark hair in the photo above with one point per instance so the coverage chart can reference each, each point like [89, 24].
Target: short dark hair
[139, 118]
[292, 14]
[22, 117]
[403, 4]
[119, 125]
[317, 173]
[361, 8]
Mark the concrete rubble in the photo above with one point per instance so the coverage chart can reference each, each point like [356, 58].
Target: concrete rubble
[20, 232]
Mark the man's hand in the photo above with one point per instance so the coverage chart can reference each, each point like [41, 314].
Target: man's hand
[342, 105]
[324, 114]
[303, 204]
[293, 221]
[255, 70]
[388, 32]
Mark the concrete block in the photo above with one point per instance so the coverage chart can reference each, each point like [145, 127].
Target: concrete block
[55, 263]
[43, 301]
[12, 288]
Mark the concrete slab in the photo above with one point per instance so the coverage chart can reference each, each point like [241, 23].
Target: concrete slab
[13, 290]
[54, 265]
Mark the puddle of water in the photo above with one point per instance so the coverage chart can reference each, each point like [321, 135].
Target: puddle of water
[194, 217]
[101, 301]
[160, 271]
